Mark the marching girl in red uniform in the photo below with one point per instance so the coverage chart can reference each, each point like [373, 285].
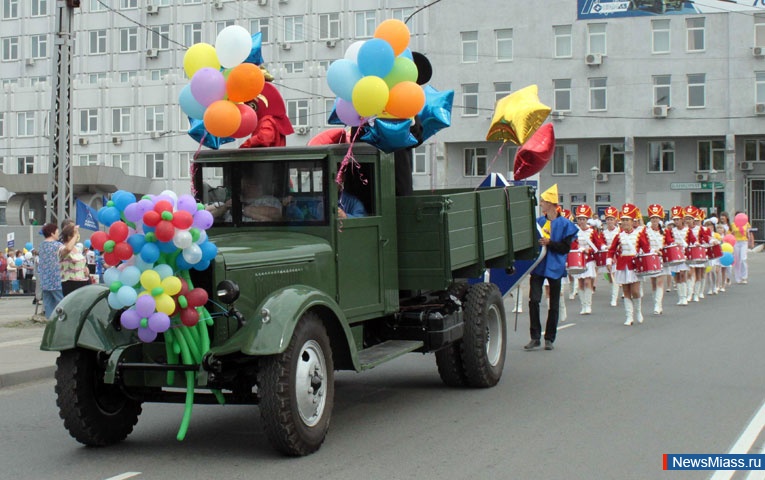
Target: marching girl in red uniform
[609, 233]
[622, 252]
[702, 237]
[681, 236]
[658, 238]
[588, 240]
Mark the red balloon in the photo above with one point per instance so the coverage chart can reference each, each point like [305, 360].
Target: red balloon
[110, 258]
[123, 251]
[329, 137]
[163, 206]
[197, 297]
[249, 121]
[182, 219]
[533, 156]
[97, 240]
[165, 231]
[189, 317]
[118, 232]
[151, 218]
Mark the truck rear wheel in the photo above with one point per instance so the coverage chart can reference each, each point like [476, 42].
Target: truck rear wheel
[94, 413]
[297, 390]
[483, 343]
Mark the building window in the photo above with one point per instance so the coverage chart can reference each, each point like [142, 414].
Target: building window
[184, 165]
[183, 121]
[129, 39]
[192, 2]
[293, 29]
[25, 124]
[695, 29]
[122, 160]
[329, 105]
[598, 95]
[93, 78]
[660, 37]
[158, 37]
[612, 158]
[566, 160]
[563, 48]
[754, 150]
[297, 111]
[329, 26]
[88, 160]
[39, 8]
[661, 157]
[759, 87]
[10, 48]
[469, 99]
[261, 25]
[192, 33]
[2, 124]
[127, 4]
[37, 80]
[97, 42]
[759, 30]
[294, 67]
[596, 38]
[504, 44]
[155, 119]
[25, 165]
[88, 121]
[711, 155]
[126, 76]
[420, 161]
[155, 165]
[39, 46]
[562, 95]
[366, 22]
[696, 90]
[2, 169]
[402, 14]
[502, 89]
[97, 6]
[10, 9]
[158, 74]
[469, 47]
[219, 26]
[121, 120]
[475, 162]
[511, 151]
[662, 90]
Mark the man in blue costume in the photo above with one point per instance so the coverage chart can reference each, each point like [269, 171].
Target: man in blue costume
[556, 233]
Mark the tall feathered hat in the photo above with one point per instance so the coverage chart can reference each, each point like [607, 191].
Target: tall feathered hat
[629, 211]
[612, 212]
[655, 210]
[677, 212]
[583, 210]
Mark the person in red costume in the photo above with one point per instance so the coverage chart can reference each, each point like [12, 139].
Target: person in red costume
[273, 123]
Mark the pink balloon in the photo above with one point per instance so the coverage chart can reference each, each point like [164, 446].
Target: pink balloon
[729, 238]
[346, 113]
[207, 86]
[740, 220]
[249, 121]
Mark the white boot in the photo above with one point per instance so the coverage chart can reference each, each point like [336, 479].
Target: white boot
[614, 294]
[628, 311]
[638, 305]
[562, 316]
[682, 299]
[689, 284]
[588, 300]
[583, 302]
[658, 298]
[574, 289]
[703, 286]
[696, 288]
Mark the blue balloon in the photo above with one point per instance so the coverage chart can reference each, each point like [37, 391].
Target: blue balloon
[437, 112]
[122, 199]
[342, 76]
[202, 266]
[189, 104]
[198, 133]
[108, 215]
[209, 251]
[727, 259]
[150, 253]
[137, 241]
[167, 247]
[407, 54]
[389, 135]
[376, 57]
[18, 262]
[255, 56]
[181, 263]
[86, 243]
[29, 245]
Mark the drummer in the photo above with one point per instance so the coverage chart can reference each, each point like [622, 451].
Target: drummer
[713, 270]
[693, 217]
[609, 233]
[682, 237]
[587, 241]
[623, 251]
[658, 238]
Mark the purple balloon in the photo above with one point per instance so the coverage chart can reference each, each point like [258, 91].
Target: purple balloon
[346, 113]
[132, 214]
[147, 335]
[187, 203]
[130, 319]
[203, 219]
[159, 322]
[144, 205]
[208, 85]
[145, 306]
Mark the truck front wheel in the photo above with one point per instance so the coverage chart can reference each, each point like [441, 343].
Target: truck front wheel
[483, 343]
[297, 390]
[94, 413]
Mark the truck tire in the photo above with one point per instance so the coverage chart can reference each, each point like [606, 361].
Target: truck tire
[449, 358]
[95, 413]
[297, 390]
[483, 343]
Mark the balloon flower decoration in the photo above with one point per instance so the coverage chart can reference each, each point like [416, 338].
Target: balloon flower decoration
[223, 79]
[151, 245]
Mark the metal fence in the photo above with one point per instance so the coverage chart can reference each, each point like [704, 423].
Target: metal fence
[756, 210]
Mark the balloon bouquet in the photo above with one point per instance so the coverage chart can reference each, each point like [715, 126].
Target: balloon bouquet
[150, 247]
[223, 79]
[518, 118]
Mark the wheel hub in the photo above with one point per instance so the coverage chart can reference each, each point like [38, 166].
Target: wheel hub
[309, 383]
[493, 335]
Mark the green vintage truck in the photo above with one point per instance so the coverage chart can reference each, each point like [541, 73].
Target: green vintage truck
[297, 295]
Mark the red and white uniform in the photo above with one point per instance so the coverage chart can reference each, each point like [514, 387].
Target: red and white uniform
[588, 241]
[623, 251]
[658, 240]
[683, 237]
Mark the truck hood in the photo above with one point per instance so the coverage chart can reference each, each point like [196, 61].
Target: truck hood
[254, 249]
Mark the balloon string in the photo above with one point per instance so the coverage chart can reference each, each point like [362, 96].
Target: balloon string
[349, 159]
[491, 164]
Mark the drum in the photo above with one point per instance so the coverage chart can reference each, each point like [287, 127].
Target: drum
[696, 255]
[673, 254]
[647, 264]
[600, 258]
[714, 251]
[575, 262]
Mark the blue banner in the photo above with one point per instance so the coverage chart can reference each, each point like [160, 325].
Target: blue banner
[604, 9]
[86, 216]
[712, 461]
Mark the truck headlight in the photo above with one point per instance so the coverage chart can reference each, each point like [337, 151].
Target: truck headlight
[228, 291]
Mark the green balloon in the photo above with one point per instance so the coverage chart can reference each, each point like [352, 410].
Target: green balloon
[403, 70]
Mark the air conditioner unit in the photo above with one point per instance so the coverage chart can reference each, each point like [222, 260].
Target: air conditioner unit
[660, 111]
[746, 166]
[152, 53]
[331, 43]
[262, 2]
[282, 1]
[593, 59]
[83, 141]
[702, 177]
[602, 177]
[155, 135]
[759, 109]
[301, 130]
[152, 9]
[30, 62]
[286, 46]
[218, 4]
[556, 115]
[117, 140]
[758, 51]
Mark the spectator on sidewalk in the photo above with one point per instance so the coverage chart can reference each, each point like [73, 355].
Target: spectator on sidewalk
[13, 273]
[74, 269]
[49, 269]
[3, 273]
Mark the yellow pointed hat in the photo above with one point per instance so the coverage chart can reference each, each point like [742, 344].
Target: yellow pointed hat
[551, 194]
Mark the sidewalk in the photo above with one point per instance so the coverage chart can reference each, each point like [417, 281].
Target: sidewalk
[21, 359]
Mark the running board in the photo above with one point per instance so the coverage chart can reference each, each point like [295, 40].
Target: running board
[388, 350]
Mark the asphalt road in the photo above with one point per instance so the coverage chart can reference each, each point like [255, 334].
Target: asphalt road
[606, 403]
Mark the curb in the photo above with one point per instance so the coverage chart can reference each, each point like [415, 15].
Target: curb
[27, 376]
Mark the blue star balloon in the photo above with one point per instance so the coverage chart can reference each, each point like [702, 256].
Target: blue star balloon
[437, 112]
[389, 135]
[198, 132]
[256, 55]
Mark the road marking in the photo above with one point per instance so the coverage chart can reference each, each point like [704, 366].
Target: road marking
[562, 327]
[123, 476]
[744, 444]
[24, 341]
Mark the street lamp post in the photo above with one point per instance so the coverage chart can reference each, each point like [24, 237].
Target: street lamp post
[713, 177]
[594, 171]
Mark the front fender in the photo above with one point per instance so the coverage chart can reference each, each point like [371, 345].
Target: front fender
[85, 322]
[286, 306]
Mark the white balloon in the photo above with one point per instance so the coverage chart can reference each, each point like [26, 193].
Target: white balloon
[233, 45]
[28, 255]
[192, 254]
[202, 237]
[182, 239]
[352, 53]
[172, 195]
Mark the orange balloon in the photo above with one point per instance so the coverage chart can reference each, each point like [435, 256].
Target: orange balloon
[406, 100]
[245, 82]
[222, 118]
[394, 32]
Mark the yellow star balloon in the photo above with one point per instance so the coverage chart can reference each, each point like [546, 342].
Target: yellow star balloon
[517, 116]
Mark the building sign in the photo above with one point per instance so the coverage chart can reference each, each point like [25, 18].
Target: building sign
[685, 186]
[11, 239]
[603, 9]
[708, 185]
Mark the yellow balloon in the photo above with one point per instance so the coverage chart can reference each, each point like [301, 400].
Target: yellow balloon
[708, 269]
[727, 247]
[171, 285]
[370, 95]
[200, 55]
[165, 304]
[517, 116]
[150, 280]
